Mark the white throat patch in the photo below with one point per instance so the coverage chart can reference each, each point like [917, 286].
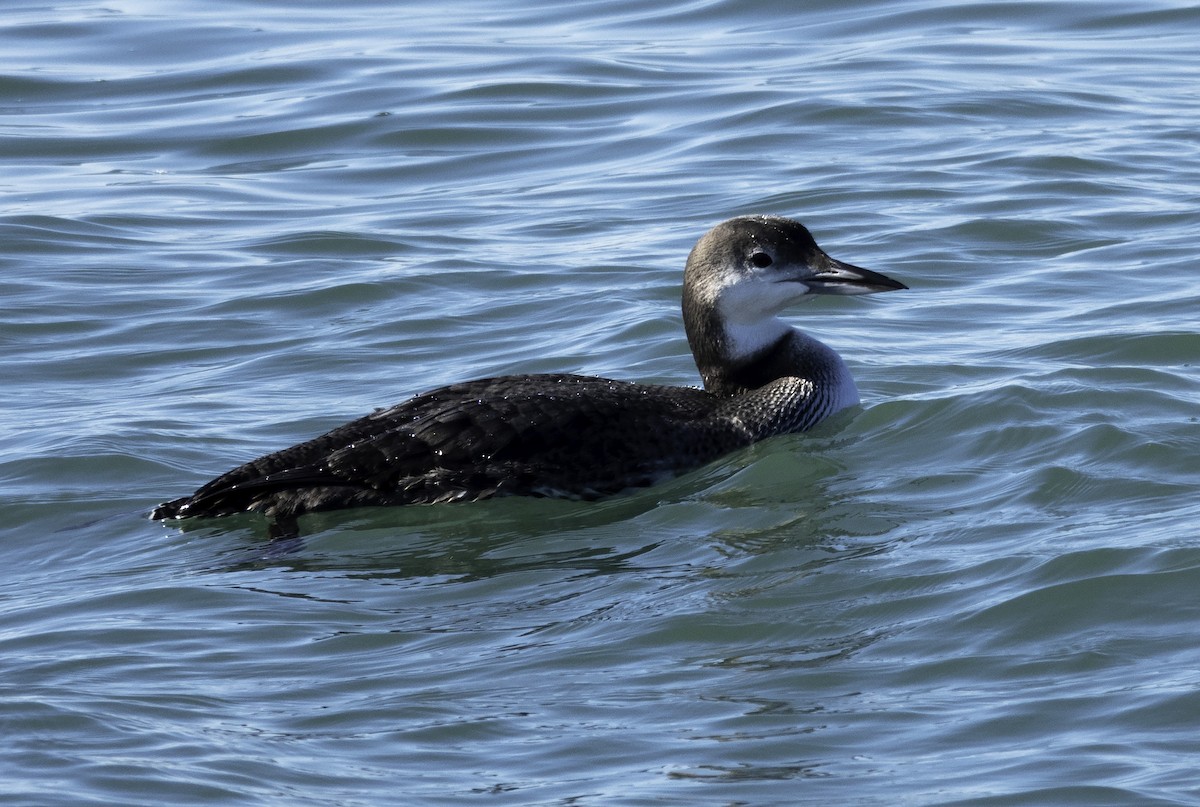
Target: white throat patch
[747, 339]
[748, 312]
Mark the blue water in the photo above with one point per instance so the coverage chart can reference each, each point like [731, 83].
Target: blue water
[228, 226]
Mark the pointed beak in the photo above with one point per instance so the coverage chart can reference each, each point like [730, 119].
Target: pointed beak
[834, 277]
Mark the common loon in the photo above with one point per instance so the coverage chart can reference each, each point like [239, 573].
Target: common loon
[579, 436]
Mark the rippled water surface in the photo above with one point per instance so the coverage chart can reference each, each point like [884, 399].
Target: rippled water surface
[228, 226]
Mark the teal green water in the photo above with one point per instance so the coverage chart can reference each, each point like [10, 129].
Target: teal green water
[228, 226]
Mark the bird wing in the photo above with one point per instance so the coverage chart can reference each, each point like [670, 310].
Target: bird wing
[546, 434]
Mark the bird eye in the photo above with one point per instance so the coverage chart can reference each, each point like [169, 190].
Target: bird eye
[761, 259]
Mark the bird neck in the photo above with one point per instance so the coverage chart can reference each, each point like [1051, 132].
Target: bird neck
[734, 358]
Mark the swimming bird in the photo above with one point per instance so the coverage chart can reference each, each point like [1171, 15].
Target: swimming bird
[579, 436]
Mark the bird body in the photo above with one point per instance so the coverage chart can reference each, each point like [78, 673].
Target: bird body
[580, 436]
